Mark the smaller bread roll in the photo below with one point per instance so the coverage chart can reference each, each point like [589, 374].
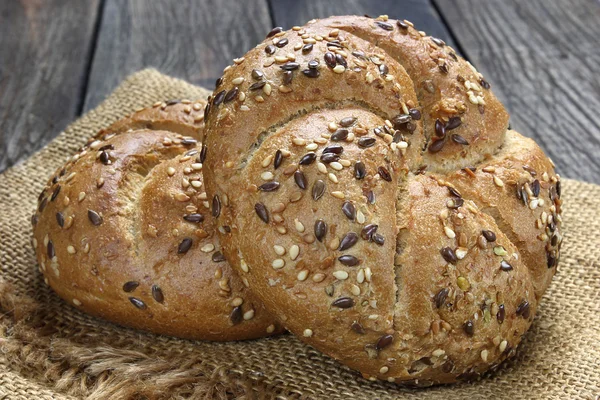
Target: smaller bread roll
[124, 231]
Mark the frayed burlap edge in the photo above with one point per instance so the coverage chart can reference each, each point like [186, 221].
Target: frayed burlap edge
[50, 350]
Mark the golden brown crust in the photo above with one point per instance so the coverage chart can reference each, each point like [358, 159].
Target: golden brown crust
[129, 236]
[344, 219]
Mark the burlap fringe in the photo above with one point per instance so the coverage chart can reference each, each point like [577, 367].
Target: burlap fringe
[103, 371]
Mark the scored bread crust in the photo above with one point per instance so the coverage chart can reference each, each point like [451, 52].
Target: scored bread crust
[377, 203]
[111, 237]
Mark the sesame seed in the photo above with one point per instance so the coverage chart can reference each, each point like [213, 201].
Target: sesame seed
[321, 168]
[267, 176]
[278, 263]
[248, 315]
[307, 333]
[449, 232]
[130, 286]
[244, 266]
[302, 275]
[298, 225]
[76, 302]
[71, 250]
[336, 165]
[332, 177]
[339, 69]
[294, 252]
[238, 301]
[338, 195]
[498, 182]
[484, 355]
[360, 276]
[279, 250]
[461, 252]
[341, 275]
[182, 197]
[502, 346]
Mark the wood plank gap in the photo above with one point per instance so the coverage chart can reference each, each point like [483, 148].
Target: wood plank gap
[90, 57]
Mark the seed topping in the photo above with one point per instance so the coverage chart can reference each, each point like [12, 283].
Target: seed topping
[94, 217]
[384, 341]
[504, 266]
[157, 294]
[449, 255]
[139, 304]
[349, 210]
[320, 229]
[194, 217]
[184, 246]
[348, 241]
[216, 206]
[262, 212]
[318, 189]
[300, 180]
[440, 297]
[343, 302]
[349, 260]
[384, 173]
[130, 286]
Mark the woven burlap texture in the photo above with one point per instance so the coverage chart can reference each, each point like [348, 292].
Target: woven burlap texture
[50, 350]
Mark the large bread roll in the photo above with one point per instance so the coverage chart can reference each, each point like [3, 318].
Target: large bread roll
[124, 231]
[371, 195]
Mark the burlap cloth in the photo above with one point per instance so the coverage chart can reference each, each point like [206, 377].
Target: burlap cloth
[50, 350]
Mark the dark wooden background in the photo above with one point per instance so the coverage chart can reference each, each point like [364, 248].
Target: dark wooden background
[60, 58]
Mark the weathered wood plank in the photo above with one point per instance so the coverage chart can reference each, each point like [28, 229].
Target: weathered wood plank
[44, 51]
[193, 40]
[542, 59]
[287, 13]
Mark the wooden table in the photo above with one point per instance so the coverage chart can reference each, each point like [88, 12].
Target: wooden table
[60, 58]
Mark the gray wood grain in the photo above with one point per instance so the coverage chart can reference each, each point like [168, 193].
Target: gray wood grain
[287, 13]
[44, 48]
[542, 58]
[193, 40]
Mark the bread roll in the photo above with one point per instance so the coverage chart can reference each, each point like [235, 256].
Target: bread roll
[124, 231]
[376, 201]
